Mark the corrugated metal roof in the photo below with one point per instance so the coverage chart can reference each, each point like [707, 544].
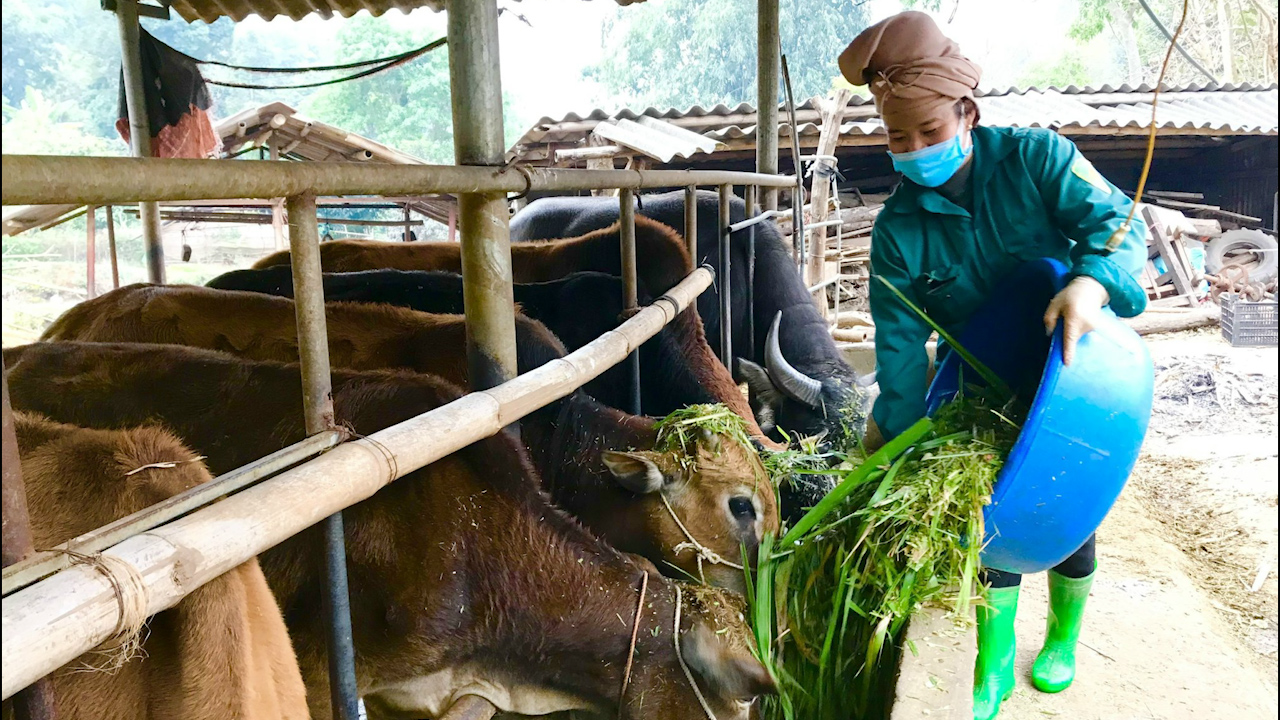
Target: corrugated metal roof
[210, 10]
[1244, 109]
[656, 138]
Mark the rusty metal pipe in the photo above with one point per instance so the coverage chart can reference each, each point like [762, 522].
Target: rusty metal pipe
[630, 290]
[726, 296]
[768, 59]
[83, 180]
[139, 129]
[317, 408]
[751, 193]
[691, 221]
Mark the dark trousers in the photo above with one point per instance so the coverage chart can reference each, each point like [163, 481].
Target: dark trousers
[1081, 563]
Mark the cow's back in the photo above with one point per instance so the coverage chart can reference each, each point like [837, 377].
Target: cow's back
[223, 652]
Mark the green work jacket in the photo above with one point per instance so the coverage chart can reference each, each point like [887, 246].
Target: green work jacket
[1033, 195]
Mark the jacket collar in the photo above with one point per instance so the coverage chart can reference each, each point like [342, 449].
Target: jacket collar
[990, 146]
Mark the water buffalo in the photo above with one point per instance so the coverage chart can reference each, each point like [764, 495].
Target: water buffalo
[464, 578]
[677, 366]
[722, 493]
[804, 385]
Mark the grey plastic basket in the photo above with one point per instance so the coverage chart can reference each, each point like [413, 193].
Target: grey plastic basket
[1247, 323]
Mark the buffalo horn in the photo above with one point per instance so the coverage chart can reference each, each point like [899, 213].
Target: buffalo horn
[793, 383]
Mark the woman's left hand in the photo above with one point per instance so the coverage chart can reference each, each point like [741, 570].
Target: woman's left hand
[1079, 306]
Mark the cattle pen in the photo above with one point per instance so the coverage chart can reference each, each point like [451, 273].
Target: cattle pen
[54, 610]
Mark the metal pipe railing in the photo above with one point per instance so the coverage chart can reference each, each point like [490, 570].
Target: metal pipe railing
[726, 299]
[751, 275]
[317, 409]
[46, 179]
[46, 625]
[630, 289]
[691, 222]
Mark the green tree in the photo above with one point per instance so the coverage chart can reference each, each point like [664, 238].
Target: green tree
[40, 126]
[681, 52]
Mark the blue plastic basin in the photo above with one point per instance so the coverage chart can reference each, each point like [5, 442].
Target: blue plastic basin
[1084, 430]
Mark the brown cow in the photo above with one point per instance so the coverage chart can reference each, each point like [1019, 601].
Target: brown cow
[464, 578]
[223, 652]
[724, 498]
[662, 259]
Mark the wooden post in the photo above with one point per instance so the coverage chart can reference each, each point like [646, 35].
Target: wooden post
[832, 110]
[140, 130]
[476, 90]
[111, 246]
[35, 702]
[91, 252]
[317, 408]
[768, 60]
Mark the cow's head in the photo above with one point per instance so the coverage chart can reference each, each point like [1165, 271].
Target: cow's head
[716, 488]
[784, 398]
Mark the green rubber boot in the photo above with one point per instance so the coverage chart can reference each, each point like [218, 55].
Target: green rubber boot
[1055, 666]
[993, 678]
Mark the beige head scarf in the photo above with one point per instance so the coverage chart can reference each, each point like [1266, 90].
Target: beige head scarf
[915, 72]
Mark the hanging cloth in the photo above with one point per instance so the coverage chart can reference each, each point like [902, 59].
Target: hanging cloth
[177, 103]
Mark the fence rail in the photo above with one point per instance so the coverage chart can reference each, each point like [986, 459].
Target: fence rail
[35, 179]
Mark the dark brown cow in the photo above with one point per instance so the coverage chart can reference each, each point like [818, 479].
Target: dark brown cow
[223, 652]
[662, 259]
[724, 497]
[464, 578]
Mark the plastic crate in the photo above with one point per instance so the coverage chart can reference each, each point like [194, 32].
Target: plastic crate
[1246, 323]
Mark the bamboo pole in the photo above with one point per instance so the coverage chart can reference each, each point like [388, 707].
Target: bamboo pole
[476, 90]
[768, 62]
[52, 622]
[832, 110]
[139, 129]
[84, 180]
[35, 702]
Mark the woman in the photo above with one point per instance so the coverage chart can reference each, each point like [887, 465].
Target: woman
[975, 202]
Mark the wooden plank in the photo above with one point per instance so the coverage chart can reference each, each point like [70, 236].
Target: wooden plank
[1172, 259]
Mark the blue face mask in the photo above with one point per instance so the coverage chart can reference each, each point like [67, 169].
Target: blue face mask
[934, 165]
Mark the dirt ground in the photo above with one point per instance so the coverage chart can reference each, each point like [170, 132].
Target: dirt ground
[1182, 620]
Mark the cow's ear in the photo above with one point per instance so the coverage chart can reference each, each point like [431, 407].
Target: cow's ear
[729, 672]
[634, 471]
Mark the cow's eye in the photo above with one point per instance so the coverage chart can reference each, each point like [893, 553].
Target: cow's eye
[742, 508]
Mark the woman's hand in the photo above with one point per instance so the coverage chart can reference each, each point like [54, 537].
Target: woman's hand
[1079, 306]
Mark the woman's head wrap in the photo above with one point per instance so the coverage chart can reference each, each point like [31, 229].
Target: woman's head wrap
[914, 71]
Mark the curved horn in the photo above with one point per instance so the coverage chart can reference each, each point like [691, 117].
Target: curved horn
[793, 383]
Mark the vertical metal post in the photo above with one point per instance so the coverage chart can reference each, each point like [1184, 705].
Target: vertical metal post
[139, 130]
[630, 293]
[768, 58]
[317, 408]
[36, 701]
[277, 204]
[750, 353]
[111, 247]
[726, 296]
[408, 228]
[476, 90]
[691, 222]
[91, 251]
[453, 224]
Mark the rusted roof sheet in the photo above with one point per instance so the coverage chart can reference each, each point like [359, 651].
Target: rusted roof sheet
[1244, 109]
[211, 10]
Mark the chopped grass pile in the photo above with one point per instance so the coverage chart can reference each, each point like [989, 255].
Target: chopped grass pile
[679, 432]
[901, 529]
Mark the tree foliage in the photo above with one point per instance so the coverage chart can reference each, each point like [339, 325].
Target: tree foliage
[681, 52]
